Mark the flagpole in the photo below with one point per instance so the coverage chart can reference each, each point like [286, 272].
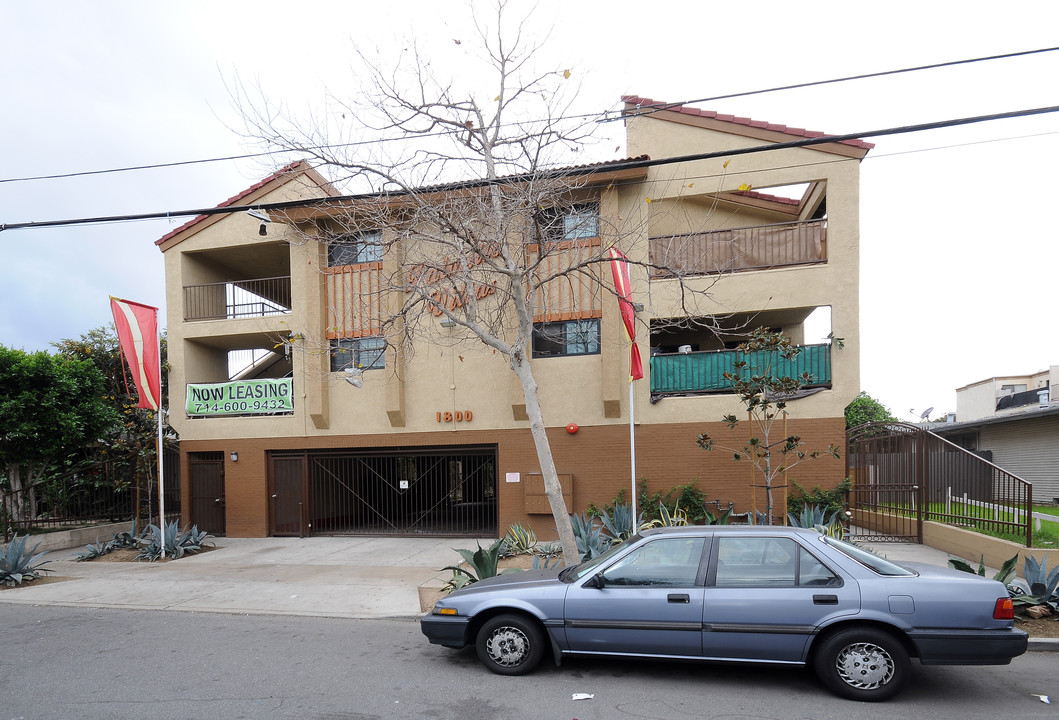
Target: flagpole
[632, 452]
[161, 448]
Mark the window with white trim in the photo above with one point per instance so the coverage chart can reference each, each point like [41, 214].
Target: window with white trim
[567, 337]
[355, 248]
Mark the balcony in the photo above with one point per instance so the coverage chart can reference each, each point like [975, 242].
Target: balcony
[739, 249]
[260, 297]
[700, 373]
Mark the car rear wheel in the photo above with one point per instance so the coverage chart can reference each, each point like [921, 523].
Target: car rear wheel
[510, 644]
[863, 664]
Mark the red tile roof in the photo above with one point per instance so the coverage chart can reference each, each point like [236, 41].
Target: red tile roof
[760, 124]
[296, 166]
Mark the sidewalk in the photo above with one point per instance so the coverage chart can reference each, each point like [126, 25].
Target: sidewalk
[348, 577]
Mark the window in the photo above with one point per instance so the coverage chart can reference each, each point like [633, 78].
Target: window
[570, 337]
[667, 562]
[355, 248]
[570, 223]
[364, 353]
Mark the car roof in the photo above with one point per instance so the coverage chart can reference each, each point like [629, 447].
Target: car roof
[698, 530]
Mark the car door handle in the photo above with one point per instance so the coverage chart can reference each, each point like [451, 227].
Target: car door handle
[825, 599]
[679, 598]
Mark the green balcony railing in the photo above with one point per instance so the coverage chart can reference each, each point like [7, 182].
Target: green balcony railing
[703, 372]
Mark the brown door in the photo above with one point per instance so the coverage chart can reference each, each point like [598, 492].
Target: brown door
[286, 502]
[207, 492]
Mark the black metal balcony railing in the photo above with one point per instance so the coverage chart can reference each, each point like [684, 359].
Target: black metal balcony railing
[703, 372]
[749, 248]
[259, 297]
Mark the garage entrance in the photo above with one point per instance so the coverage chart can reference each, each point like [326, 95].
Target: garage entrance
[435, 491]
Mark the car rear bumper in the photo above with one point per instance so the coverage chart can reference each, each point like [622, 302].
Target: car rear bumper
[969, 647]
[447, 630]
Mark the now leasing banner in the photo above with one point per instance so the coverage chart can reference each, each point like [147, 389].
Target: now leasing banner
[241, 397]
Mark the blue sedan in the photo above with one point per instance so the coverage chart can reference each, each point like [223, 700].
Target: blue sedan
[754, 594]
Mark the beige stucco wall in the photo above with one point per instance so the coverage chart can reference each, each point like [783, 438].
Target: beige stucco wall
[450, 373]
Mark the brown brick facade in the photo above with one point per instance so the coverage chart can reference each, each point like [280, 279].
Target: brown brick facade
[597, 458]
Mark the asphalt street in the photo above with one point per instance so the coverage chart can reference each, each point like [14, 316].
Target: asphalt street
[72, 662]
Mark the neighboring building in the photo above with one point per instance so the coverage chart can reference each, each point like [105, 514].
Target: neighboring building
[436, 441]
[1014, 423]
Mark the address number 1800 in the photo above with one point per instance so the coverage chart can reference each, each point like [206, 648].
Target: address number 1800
[455, 416]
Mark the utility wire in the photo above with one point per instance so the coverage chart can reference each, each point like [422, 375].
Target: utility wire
[649, 110]
[658, 107]
[566, 172]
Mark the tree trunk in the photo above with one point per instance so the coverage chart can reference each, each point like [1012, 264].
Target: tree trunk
[552, 488]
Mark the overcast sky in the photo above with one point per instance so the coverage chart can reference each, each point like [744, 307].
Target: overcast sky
[958, 251]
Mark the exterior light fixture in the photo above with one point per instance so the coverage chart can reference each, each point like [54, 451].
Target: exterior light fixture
[234, 456]
[355, 377]
[448, 323]
[258, 215]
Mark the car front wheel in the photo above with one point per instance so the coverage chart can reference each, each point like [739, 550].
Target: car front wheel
[863, 664]
[510, 644]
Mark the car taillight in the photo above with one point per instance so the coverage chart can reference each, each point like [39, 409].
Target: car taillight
[1004, 609]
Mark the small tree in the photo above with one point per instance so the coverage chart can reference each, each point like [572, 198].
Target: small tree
[469, 197]
[866, 409]
[51, 408]
[760, 382]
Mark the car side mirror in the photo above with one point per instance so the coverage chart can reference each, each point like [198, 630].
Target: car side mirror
[596, 581]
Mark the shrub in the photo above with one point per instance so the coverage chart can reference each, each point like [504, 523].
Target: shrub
[832, 500]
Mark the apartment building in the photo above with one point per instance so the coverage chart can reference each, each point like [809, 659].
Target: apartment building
[300, 414]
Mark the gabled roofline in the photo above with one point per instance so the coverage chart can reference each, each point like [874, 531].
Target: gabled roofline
[731, 124]
[247, 197]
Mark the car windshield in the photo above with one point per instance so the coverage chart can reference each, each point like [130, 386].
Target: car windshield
[576, 572]
[873, 562]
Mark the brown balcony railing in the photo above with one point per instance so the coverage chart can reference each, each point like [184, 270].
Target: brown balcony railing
[749, 248]
[259, 297]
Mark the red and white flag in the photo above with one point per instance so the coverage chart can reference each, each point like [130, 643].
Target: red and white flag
[619, 265]
[137, 327]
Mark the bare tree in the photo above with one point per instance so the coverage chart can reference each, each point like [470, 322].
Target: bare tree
[469, 194]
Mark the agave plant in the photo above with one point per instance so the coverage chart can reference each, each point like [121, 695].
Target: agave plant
[1004, 575]
[619, 522]
[591, 542]
[94, 551]
[670, 519]
[481, 564]
[177, 544]
[1040, 586]
[721, 519]
[520, 540]
[543, 562]
[17, 565]
[816, 517]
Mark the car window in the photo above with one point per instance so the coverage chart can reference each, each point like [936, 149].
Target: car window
[756, 562]
[813, 573]
[868, 559]
[769, 562]
[662, 562]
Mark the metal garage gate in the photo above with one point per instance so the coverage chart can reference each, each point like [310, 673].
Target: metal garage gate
[436, 491]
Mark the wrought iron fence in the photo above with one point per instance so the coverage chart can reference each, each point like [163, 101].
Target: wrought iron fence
[102, 493]
[902, 473]
[258, 297]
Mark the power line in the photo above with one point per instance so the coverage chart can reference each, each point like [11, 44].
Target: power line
[658, 107]
[651, 109]
[567, 172]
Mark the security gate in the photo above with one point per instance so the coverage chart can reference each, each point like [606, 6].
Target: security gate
[885, 466]
[439, 491]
